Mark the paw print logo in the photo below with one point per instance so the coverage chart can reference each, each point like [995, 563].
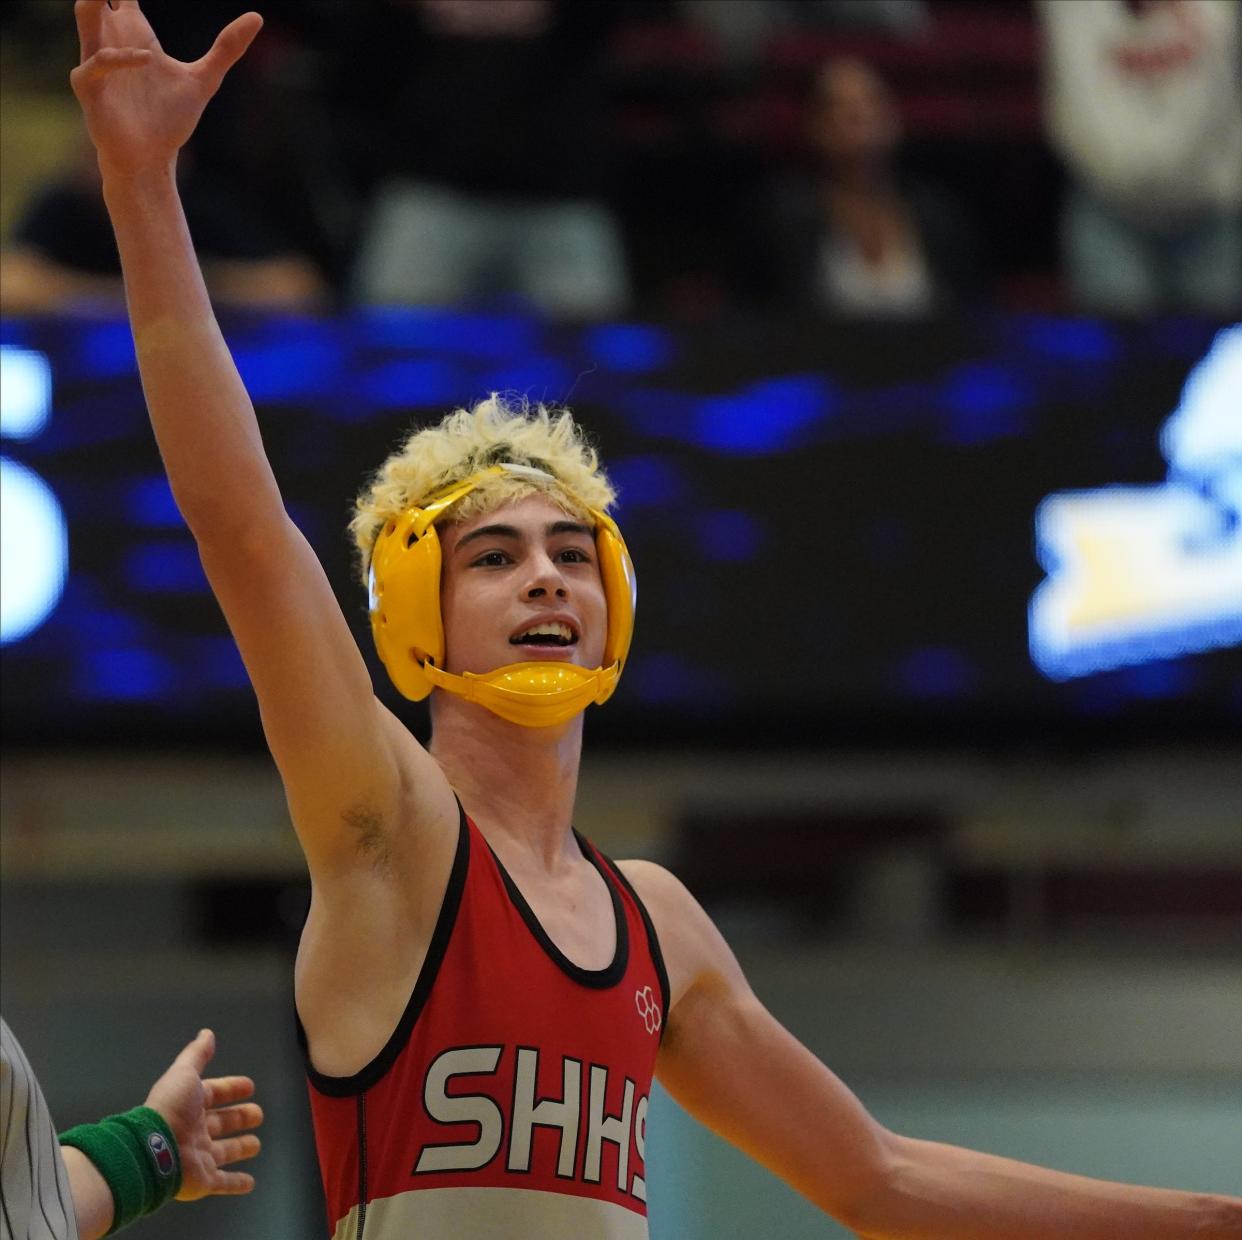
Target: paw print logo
[648, 1008]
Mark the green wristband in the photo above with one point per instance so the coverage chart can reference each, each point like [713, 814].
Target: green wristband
[137, 1156]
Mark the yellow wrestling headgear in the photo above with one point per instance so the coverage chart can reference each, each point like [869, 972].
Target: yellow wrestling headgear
[404, 589]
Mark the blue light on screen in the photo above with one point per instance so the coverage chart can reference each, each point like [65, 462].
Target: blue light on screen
[1142, 573]
[25, 392]
[149, 502]
[126, 674]
[986, 401]
[288, 371]
[217, 665]
[442, 331]
[1203, 437]
[1112, 690]
[1160, 680]
[106, 350]
[646, 481]
[539, 377]
[34, 551]
[1088, 341]
[34, 539]
[108, 625]
[629, 348]
[406, 382]
[164, 567]
[772, 415]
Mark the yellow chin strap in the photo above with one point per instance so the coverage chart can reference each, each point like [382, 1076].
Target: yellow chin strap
[404, 588]
[534, 694]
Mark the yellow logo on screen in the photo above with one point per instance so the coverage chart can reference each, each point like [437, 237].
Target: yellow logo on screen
[1142, 573]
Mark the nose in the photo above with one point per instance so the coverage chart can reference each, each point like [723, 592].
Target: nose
[545, 580]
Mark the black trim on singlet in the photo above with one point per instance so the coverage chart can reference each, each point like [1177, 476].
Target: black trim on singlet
[653, 941]
[345, 1086]
[597, 979]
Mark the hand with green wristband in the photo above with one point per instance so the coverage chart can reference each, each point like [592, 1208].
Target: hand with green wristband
[177, 1144]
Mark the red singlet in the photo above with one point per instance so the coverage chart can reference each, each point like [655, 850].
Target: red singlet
[511, 1101]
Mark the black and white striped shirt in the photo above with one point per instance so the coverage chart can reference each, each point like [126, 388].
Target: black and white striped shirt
[35, 1200]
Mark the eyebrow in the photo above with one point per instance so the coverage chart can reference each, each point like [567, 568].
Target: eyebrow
[511, 531]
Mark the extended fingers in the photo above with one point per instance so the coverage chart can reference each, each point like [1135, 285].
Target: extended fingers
[109, 59]
[235, 1149]
[231, 1183]
[219, 1091]
[225, 1121]
[230, 45]
[89, 18]
[88, 14]
[197, 1054]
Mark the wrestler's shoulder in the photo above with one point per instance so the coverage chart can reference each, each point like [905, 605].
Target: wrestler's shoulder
[656, 885]
[677, 916]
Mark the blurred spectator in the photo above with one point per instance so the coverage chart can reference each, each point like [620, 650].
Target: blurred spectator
[483, 117]
[63, 254]
[855, 237]
[271, 128]
[1144, 102]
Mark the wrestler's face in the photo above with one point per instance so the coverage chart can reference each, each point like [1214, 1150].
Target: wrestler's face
[525, 565]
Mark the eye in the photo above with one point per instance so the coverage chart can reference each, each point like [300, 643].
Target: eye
[491, 559]
[573, 555]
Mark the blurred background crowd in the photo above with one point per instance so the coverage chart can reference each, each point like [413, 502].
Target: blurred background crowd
[677, 158]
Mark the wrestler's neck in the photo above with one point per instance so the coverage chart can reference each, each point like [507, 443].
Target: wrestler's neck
[518, 784]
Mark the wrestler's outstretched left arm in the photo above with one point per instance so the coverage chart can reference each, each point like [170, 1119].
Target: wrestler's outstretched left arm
[737, 1070]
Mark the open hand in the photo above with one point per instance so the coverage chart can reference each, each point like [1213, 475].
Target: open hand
[210, 1119]
[140, 104]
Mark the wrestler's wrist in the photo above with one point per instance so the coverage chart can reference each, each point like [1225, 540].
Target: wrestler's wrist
[134, 180]
[136, 1154]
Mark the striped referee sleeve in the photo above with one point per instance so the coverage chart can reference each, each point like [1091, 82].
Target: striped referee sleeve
[35, 1200]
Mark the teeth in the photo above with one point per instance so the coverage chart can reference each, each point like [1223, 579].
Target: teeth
[563, 631]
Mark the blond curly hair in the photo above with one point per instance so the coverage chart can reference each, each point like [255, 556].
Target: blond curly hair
[467, 441]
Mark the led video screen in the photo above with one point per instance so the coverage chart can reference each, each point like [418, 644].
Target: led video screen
[1023, 529]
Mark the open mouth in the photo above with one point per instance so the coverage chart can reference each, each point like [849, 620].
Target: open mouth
[553, 633]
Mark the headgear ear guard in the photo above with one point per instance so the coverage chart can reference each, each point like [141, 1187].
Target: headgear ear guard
[404, 589]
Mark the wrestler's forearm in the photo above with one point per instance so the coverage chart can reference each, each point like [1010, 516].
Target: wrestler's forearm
[203, 418]
[937, 1191]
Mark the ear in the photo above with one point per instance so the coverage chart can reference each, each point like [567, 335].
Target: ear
[616, 570]
[405, 616]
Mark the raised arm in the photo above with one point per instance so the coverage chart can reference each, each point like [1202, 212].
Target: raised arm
[731, 1064]
[344, 759]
